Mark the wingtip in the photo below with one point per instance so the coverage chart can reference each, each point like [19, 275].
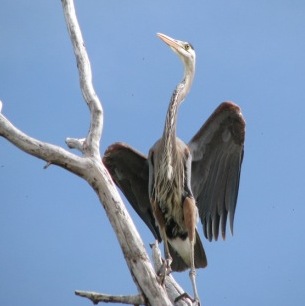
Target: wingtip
[229, 105]
[114, 146]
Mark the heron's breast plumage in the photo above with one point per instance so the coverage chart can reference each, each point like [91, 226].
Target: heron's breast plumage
[168, 195]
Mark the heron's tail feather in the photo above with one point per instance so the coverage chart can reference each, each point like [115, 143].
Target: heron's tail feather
[179, 264]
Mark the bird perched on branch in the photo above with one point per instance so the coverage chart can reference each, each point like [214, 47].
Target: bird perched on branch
[177, 183]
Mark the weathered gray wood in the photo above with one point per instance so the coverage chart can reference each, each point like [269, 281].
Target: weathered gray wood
[91, 169]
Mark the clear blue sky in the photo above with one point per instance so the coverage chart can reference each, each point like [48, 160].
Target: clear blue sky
[54, 235]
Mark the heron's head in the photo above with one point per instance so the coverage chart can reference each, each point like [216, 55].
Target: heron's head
[184, 50]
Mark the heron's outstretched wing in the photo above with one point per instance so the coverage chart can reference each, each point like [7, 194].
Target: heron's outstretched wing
[129, 170]
[217, 153]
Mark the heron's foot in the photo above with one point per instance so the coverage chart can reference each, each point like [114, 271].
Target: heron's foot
[165, 270]
[196, 302]
[181, 296]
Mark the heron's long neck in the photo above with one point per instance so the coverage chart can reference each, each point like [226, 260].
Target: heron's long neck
[179, 94]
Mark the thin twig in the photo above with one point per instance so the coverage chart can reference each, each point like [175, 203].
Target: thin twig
[78, 144]
[122, 299]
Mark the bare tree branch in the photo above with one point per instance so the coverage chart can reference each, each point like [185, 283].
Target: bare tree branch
[91, 169]
[123, 299]
[50, 153]
[91, 145]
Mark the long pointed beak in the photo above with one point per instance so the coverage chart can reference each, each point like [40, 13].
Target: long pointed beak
[176, 44]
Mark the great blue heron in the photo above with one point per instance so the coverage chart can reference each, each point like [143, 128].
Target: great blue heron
[167, 187]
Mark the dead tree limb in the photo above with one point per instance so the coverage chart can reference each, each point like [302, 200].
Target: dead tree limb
[122, 299]
[90, 168]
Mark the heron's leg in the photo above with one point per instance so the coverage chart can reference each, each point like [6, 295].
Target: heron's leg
[193, 273]
[168, 257]
[165, 269]
[166, 266]
[190, 219]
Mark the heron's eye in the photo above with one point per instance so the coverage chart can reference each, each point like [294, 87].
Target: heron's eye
[186, 47]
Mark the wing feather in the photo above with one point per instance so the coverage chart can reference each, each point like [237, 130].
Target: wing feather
[217, 154]
[129, 170]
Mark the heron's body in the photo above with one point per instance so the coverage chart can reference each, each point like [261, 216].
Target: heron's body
[179, 182]
[173, 203]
